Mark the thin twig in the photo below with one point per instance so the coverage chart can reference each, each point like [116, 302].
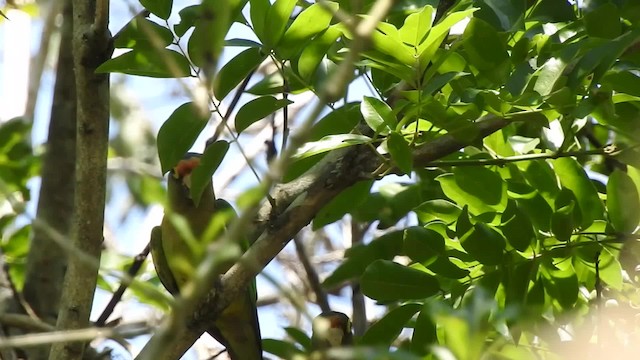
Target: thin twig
[312, 275]
[359, 316]
[25, 322]
[605, 151]
[138, 260]
[232, 106]
[79, 335]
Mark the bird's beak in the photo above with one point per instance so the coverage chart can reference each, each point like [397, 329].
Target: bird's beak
[184, 181]
[326, 329]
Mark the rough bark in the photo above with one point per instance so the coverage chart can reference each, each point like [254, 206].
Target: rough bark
[91, 46]
[47, 263]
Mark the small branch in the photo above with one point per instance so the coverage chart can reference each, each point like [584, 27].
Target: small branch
[359, 316]
[117, 296]
[73, 336]
[25, 307]
[25, 322]
[605, 151]
[232, 106]
[312, 275]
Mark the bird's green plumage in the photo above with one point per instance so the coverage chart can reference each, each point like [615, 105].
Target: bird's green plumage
[237, 326]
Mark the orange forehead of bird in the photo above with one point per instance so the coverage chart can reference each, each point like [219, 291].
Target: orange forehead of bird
[336, 322]
[185, 167]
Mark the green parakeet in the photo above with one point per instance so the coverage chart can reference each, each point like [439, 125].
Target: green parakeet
[174, 259]
[331, 329]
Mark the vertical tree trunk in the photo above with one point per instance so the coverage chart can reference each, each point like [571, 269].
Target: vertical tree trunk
[91, 47]
[46, 262]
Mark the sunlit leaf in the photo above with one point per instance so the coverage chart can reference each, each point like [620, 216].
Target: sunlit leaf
[258, 109]
[159, 63]
[159, 8]
[313, 20]
[623, 202]
[178, 133]
[378, 115]
[387, 329]
[330, 142]
[209, 163]
[386, 280]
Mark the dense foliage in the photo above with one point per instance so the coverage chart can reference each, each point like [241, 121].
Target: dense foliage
[517, 235]
[522, 244]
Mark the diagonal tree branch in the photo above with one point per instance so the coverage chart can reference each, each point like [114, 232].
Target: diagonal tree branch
[339, 170]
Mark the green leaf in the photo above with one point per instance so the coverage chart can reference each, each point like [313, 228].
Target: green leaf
[484, 243]
[384, 331]
[159, 8]
[623, 82]
[562, 285]
[482, 189]
[486, 50]
[387, 41]
[141, 33]
[348, 200]
[274, 83]
[258, 13]
[604, 22]
[505, 15]
[548, 75]
[209, 163]
[463, 223]
[299, 336]
[242, 43]
[378, 115]
[330, 142]
[360, 256]
[600, 59]
[258, 109]
[516, 282]
[339, 121]
[207, 40]
[400, 152]
[623, 202]
[538, 210]
[573, 177]
[276, 21]
[438, 209]
[315, 51]
[178, 133]
[444, 267]
[313, 20]
[157, 63]
[562, 223]
[188, 17]
[542, 177]
[238, 68]
[416, 26]
[280, 348]
[424, 332]
[553, 11]
[422, 245]
[516, 227]
[428, 48]
[610, 270]
[385, 281]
